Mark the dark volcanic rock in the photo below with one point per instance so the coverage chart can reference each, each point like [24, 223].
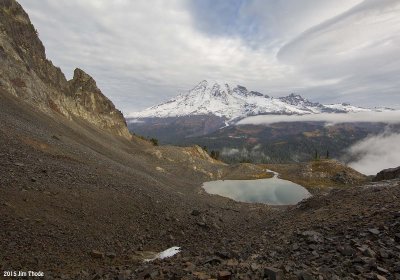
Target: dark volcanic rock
[224, 275]
[96, 254]
[387, 174]
[273, 273]
[195, 212]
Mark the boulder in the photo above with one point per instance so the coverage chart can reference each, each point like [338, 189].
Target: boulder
[273, 273]
[96, 254]
[224, 275]
[387, 174]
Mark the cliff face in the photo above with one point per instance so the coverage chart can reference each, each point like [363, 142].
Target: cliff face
[25, 72]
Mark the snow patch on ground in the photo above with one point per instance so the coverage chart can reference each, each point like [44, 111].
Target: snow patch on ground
[276, 174]
[165, 254]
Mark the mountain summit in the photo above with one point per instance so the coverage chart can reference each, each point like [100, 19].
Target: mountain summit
[232, 103]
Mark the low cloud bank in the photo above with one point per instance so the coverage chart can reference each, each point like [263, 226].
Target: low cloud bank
[376, 153]
[390, 117]
[254, 153]
[134, 121]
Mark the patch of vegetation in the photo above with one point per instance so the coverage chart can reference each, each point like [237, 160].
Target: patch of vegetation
[318, 175]
[214, 154]
[317, 155]
[154, 141]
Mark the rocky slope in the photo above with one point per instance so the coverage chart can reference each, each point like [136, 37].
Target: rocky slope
[25, 72]
[67, 189]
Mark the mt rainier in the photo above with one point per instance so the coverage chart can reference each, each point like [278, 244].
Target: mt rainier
[236, 103]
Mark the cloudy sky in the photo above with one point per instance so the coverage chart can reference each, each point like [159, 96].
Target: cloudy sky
[142, 52]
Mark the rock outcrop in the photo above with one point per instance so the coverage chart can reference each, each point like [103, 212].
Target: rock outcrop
[25, 72]
[90, 104]
[388, 174]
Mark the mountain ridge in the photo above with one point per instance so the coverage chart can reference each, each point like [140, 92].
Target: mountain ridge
[26, 73]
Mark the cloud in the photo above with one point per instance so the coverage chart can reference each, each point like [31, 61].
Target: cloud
[330, 118]
[230, 151]
[221, 18]
[143, 52]
[359, 49]
[253, 153]
[135, 121]
[262, 20]
[287, 19]
[376, 153]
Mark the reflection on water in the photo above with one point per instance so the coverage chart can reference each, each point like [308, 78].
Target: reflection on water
[272, 191]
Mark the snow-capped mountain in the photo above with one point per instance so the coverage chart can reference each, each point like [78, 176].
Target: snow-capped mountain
[236, 103]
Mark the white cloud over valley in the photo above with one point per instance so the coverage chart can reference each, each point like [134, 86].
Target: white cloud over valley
[376, 153]
[389, 117]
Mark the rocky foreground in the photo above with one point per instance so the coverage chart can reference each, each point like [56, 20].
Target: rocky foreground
[348, 234]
